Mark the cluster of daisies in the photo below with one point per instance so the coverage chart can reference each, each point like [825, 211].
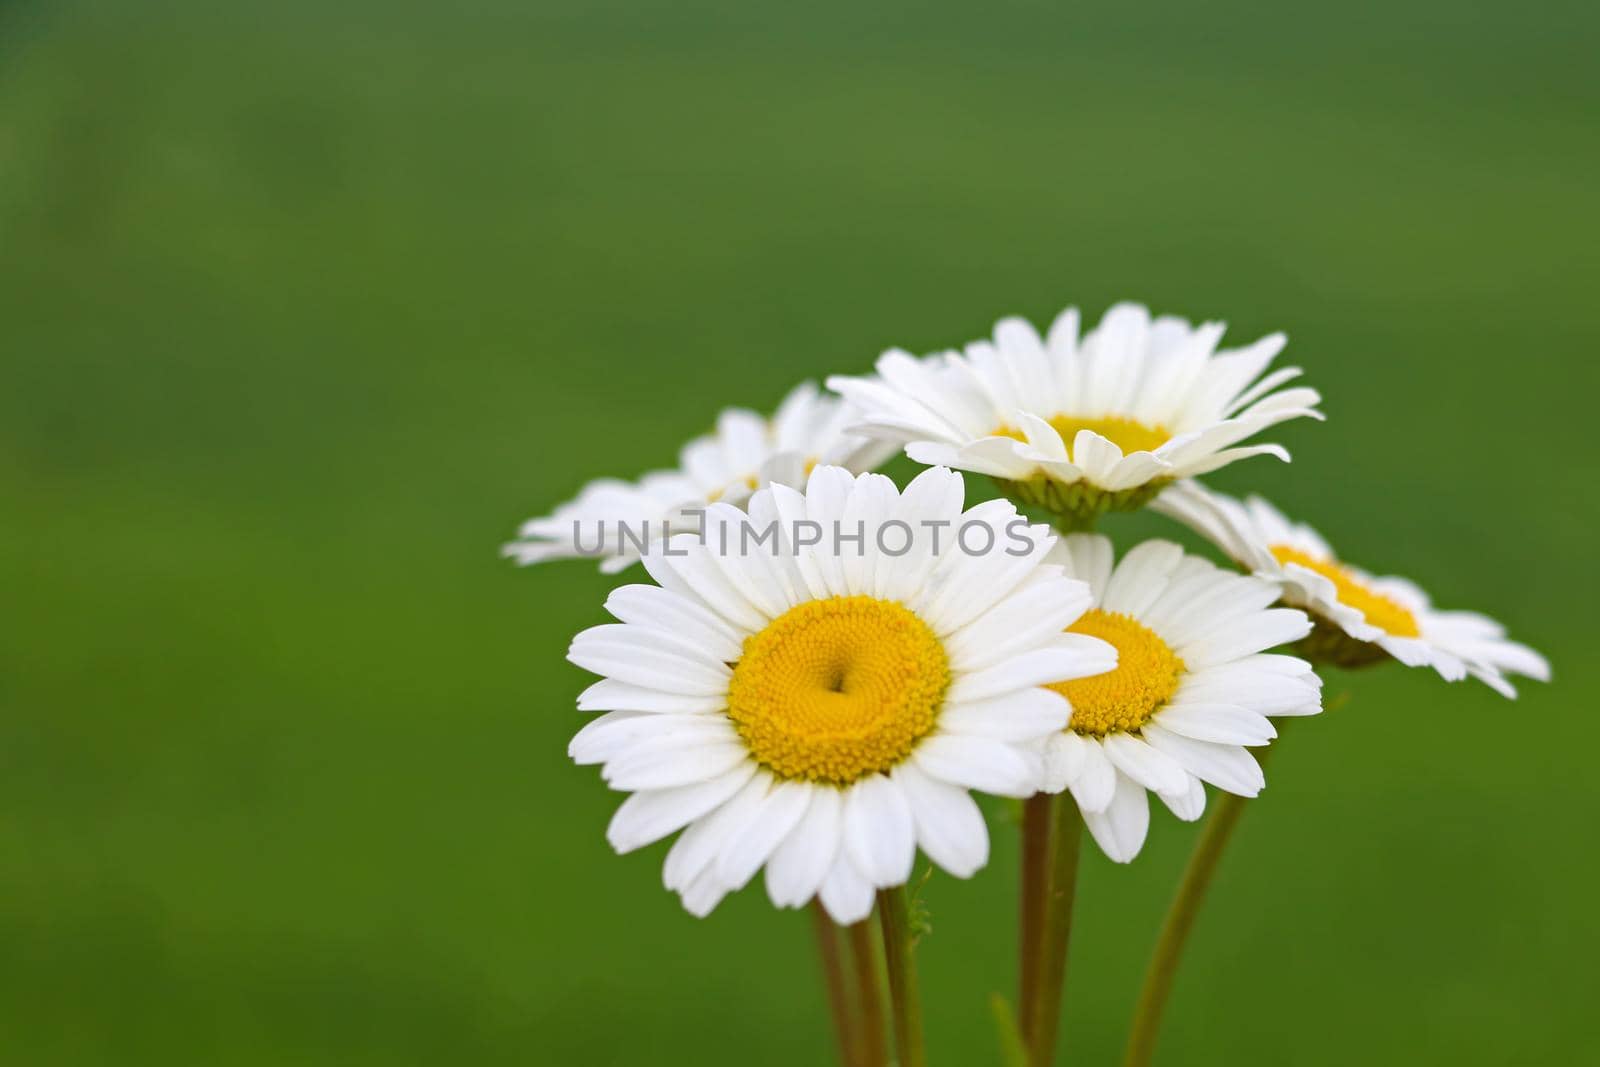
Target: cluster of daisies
[821, 708]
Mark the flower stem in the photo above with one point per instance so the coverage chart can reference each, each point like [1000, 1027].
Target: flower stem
[871, 1048]
[898, 946]
[829, 943]
[1063, 886]
[1175, 929]
[1038, 822]
[1185, 907]
[1051, 833]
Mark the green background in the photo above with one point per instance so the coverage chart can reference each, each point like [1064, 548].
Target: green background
[303, 310]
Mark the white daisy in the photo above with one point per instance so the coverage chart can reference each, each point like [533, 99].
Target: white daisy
[1360, 618]
[1081, 426]
[617, 520]
[1192, 689]
[822, 710]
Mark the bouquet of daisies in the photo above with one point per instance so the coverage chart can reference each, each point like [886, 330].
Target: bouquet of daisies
[823, 666]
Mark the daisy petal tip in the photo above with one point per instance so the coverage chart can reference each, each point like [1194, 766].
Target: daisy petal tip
[621, 842]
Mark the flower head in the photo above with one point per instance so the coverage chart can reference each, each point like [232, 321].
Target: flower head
[615, 520]
[820, 705]
[1082, 425]
[1360, 618]
[1193, 687]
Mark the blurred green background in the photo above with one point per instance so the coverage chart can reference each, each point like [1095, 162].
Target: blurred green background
[303, 308]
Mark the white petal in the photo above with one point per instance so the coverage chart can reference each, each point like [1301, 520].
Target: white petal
[1255, 633]
[827, 491]
[930, 506]
[1145, 765]
[630, 638]
[651, 668]
[979, 763]
[692, 564]
[608, 694]
[1210, 601]
[1254, 683]
[1120, 829]
[1226, 724]
[651, 605]
[745, 562]
[1068, 656]
[1097, 780]
[1136, 470]
[1141, 577]
[798, 865]
[1086, 556]
[650, 767]
[783, 468]
[703, 894]
[780, 811]
[1097, 456]
[846, 893]
[1019, 622]
[978, 568]
[996, 456]
[793, 521]
[697, 848]
[649, 816]
[1063, 761]
[1062, 338]
[615, 735]
[950, 828]
[870, 503]
[1188, 805]
[1227, 767]
[1221, 459]
[878, 831]
[1024, 715]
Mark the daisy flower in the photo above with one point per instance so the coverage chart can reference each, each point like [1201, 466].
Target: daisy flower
[1083, 425]
[820, 708]
[1192, 690]
[1360, 618]
[618, 520]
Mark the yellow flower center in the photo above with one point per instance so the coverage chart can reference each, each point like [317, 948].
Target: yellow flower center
[834, 690]
[1381, 611]
[1122, 700]
[1130, 435]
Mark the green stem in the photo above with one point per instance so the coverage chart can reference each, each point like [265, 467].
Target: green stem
[871, 1040]
[1058, 930]
[1038, 822]
[1185, 907]
[829, 944]
[898, 947]
[1175, 929]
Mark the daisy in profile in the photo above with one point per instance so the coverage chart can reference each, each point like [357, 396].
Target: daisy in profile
[1193, 689]
[1360, 619]
[820, 705]
[614, 520]
[1083, 425]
